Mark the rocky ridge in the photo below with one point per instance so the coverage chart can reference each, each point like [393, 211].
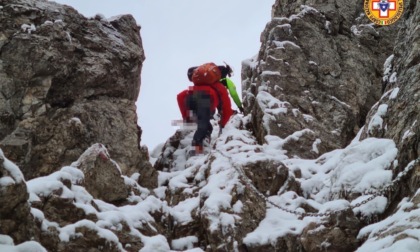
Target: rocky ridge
[323, 62]
[75, 89]
[320, 163]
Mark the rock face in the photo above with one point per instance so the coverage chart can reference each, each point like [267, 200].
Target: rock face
[220, 220]
[396, 114]
[323, 62]
[16, 219]
[82, 81]
[46, 208]
[291, 175]
[324, 73]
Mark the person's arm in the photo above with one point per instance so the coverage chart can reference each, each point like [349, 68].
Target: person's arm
[182, 104]
[232, 91]
[226, 112]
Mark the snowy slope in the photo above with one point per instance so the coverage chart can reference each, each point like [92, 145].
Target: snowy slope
[208, 183]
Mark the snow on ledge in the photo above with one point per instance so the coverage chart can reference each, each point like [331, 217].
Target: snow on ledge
[13, 169]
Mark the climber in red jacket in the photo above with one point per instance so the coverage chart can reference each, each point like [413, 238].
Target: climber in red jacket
[199, 102]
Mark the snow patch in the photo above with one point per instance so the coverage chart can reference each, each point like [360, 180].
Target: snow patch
[410, 132]
[327, 26]
[29, 28]
[393, 78]
[156, 243]
[388, 67]
[264, 73]
[283, 44]
[271, 107]
[184, 243]
[13, 170]
[6, 240]
[315, 145]
[377, 119]
[251, 62]
[403, 229]
[394, 93]
[30, 246]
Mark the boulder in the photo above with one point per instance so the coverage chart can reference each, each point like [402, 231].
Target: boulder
[102, 175]
[16, 219]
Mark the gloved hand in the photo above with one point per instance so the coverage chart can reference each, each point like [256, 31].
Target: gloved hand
[229, 70]
[241, 109]
[225, 70]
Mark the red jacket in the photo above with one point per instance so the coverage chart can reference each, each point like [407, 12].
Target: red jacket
[215, 91]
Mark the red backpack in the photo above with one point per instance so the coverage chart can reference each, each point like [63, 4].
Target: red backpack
[206, 74]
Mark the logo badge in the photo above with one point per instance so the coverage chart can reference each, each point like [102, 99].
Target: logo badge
[384, 12]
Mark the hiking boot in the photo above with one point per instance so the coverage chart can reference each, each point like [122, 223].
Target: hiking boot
[198, 149]
[195, 151]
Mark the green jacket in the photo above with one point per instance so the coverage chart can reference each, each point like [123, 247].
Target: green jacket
[232, 91]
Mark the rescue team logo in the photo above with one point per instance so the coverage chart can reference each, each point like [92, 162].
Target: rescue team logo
[384, 12]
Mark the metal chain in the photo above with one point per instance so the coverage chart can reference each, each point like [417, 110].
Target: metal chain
[392, 185]
[387, 189]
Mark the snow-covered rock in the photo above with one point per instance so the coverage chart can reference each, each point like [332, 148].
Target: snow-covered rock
[79, 88]
[302, 171]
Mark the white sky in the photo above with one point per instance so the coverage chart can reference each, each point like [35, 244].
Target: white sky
[177, 35]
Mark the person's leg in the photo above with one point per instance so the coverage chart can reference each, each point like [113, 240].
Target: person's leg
[203, 113]
[209, 131]
[191, 104]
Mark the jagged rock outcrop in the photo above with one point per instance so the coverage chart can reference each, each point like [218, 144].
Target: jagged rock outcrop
[289, 176]
[62, 211]
[287, 91]
[220, 220]
[396, 114]
[167, 160]
[16, 219]
[102, 175]
[323, 63]
[79, 87]
[270, 176]
[338, 233]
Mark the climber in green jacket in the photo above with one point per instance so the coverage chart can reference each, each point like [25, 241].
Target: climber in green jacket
[228, 83]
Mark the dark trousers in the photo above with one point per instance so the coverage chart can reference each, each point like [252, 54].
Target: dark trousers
[200, 104]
